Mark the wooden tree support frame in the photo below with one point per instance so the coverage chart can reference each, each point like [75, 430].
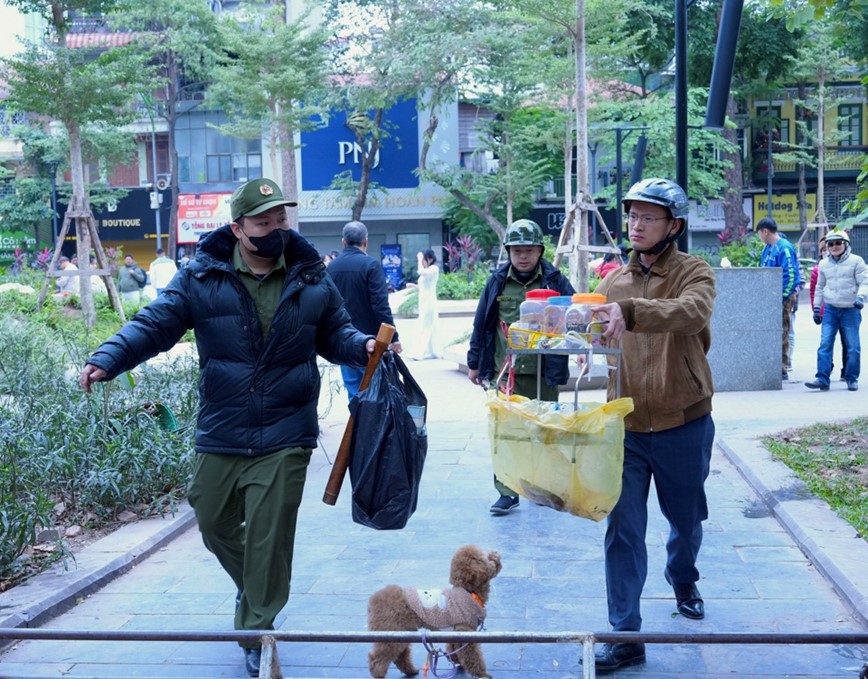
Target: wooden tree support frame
[83, 221]
[811, 236]
[567, 244]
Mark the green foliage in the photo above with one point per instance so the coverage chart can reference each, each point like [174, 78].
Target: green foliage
[743, 253]
[286, 61]
[707, 148]
[462, 285]
[410, 305]
[97, 454]
[832, 460]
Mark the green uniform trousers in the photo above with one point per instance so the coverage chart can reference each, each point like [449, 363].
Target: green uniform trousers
[525, 385]
[247, 508]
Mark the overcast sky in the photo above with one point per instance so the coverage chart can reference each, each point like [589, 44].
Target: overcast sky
[11, 26]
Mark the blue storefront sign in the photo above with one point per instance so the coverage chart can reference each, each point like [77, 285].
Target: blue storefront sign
[331, 150]
[390, 256]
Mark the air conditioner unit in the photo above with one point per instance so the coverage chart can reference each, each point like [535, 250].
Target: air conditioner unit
[163, 182]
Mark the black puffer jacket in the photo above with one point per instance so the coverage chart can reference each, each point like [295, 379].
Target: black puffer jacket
[480, 355]
[256, 395]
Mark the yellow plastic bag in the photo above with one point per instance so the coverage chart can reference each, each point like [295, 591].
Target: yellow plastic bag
[569, 461]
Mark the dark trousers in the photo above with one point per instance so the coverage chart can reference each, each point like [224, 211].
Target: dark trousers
[678, 460]
[247, 508]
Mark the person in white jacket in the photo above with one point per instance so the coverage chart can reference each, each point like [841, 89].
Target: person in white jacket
[162, 271]
[842, 285]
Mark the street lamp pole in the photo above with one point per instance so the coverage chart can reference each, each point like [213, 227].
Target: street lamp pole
[619, 188]
[681, 105]
[155, 195]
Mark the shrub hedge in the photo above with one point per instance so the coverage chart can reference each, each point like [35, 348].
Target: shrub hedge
[66, 456]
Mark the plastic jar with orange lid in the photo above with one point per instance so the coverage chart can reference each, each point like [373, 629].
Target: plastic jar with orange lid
[579, 315]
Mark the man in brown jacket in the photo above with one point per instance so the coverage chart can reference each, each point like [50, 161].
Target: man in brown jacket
[659, 307]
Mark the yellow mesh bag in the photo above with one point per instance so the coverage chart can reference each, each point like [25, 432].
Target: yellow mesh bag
[569, 461]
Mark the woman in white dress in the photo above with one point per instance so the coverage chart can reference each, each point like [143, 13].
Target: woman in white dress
[429, 274]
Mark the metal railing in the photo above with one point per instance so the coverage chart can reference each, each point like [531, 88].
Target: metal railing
[270, 665]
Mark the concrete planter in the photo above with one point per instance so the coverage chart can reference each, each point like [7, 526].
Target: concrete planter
[745, 350]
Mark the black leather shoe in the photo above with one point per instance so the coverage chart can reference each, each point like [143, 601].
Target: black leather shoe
[611, 657]
[688, 600]
[252, 659]
[817, 385]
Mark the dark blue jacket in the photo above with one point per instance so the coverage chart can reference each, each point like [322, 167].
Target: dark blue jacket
[362, 284]
[486, 323]
[257, 395]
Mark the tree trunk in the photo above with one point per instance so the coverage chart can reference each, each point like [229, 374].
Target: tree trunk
[801, 196]
[80, 207]
[579, 257]
[368, 157]
[820, 214]
[289, 171]
[171, 118]
[734, 217]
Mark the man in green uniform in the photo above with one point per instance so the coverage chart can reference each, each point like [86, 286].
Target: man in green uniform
[507, 286]
[262, 307]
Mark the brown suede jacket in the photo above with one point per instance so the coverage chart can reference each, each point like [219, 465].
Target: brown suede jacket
[664, 368]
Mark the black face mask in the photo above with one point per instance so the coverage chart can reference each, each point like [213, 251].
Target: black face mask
[272, 245]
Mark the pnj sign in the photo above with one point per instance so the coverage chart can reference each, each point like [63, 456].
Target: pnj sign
[351, 152]
[333, 150]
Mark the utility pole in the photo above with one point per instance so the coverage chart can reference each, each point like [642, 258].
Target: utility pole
[156, 197]
[681, 105]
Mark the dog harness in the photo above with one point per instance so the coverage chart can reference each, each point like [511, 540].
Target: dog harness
[445, 609]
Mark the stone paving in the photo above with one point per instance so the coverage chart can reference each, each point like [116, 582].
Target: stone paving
[772, 561]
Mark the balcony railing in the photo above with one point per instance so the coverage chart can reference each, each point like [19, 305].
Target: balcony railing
[847, 159]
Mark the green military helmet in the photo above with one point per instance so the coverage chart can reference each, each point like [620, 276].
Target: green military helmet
[523, 232]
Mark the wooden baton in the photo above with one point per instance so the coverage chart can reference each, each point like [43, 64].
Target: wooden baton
[342, 459]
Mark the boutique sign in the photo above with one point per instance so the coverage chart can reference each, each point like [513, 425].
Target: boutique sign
[128, 219]
[332, 150]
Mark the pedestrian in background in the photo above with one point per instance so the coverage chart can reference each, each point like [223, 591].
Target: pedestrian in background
[429, 323]
[499, 304]
[161, 271]
[815, 272]
[659, 308]
[779, 252]
[842, 285]
[131, 280]
[362, 284]
[67, 285]
[262, 307]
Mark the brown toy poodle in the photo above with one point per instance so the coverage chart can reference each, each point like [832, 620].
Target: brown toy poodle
[460, 608]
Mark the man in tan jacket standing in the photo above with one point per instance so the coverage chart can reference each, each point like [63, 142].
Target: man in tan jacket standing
[659, 307]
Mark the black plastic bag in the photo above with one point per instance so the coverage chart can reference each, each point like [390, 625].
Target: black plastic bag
[389, 445]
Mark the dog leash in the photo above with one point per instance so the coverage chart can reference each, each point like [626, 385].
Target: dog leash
[434, 655]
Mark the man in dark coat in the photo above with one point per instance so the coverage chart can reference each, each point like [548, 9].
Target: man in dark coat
[262, 307]
[362, 284]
